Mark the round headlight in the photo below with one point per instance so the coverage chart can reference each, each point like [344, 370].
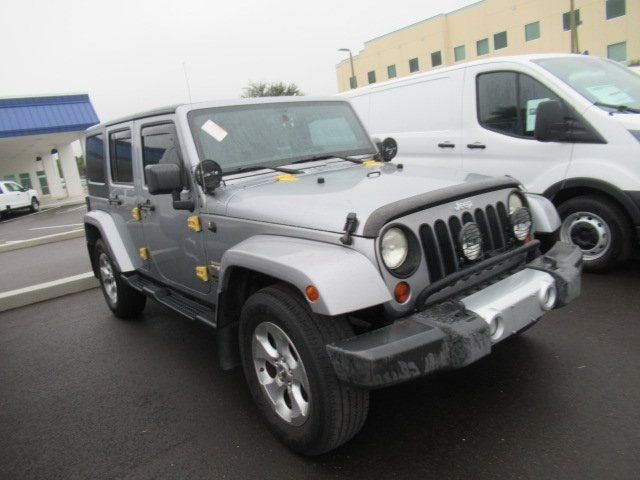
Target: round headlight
[395, 247]
[521, 222]
[515, 202]
[471, 241]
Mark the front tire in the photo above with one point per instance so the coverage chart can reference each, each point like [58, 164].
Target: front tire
[282, 345]
[35, 205]
[124, 301]
[599, 227]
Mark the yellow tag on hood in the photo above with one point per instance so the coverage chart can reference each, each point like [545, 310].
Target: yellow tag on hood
[286, 177]
[372, 163]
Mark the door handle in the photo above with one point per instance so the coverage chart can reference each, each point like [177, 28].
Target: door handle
[447, 144]
[476, 146]
[114, 201]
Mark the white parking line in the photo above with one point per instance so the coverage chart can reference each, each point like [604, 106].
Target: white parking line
[71, 209]
[58, 226]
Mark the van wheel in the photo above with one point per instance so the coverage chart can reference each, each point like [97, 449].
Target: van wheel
[35, 205]
[124, 301]
[282, 345]
[599, 227]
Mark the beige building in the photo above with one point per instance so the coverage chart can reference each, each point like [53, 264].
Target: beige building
[607, 28]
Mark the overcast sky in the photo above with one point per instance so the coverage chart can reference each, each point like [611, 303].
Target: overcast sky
[128, 55]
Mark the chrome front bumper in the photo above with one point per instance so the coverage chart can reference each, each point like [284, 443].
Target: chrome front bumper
[454, 334]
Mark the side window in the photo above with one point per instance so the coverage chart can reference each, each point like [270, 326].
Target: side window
[12, 187]
[95, 158]
[120, 156]
[1, 188]
[159, 145]
[497, 101]
[508, 102]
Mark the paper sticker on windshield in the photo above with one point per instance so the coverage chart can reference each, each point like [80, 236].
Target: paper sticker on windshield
[215, 130]
[610, 94]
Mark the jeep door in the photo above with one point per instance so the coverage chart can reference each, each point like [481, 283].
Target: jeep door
[123, 197]
[175, 249]
[499, 121]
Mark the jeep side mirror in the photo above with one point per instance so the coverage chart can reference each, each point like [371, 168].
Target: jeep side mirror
[163, 178]
[388, 149]
[208, 175]
[550, 122]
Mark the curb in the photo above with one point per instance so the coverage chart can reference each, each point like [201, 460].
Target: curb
[32, 242]
[46, 291]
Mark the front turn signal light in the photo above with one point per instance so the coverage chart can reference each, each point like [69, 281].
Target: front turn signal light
[312, 293]
[402, 292]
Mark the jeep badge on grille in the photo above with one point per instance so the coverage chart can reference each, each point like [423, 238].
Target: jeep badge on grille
[464, 205]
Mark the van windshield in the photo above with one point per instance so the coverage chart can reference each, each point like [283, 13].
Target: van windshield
[275, 134]
[605, 83]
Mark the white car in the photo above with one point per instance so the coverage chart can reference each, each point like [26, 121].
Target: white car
[15, 197]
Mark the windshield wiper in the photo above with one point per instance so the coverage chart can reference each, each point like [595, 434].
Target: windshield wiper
[254, 168]
[619, 108]
[327, 157]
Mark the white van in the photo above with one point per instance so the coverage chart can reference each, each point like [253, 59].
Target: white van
[566, 126]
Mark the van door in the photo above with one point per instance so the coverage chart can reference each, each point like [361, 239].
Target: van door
[424, 115]
[123, 195]
[175, 247]
[499, 122]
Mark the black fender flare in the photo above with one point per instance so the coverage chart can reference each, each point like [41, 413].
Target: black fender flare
[630, 207]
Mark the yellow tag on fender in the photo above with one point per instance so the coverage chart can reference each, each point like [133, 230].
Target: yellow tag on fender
[144, 253]
[135, 214]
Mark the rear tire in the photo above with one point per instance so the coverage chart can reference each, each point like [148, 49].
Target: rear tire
[328, 414]
[35, 205]
[599, 227]
[124, 301]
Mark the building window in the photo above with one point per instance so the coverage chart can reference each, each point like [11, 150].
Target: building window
[25, 180]
[353, 82]
[391, 71]
[617, 51]
[120, 156]
[615, 8]
[371, 76]
[10, 178]
[500, 40]
[414, 65]
[42, 179]
[459, 53]
[436, 59]
[482, 47]
[532, 31]
[566, 20]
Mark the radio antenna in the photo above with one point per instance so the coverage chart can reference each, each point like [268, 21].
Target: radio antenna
[186, 79]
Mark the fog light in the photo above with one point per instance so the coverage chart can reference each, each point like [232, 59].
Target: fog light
[402, 292]
[548, 296]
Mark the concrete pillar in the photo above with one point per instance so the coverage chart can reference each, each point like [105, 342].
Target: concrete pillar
[53, 177]
[70, 170]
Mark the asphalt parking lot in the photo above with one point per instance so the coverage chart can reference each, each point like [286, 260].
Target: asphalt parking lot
[19, 225]
[83, 395]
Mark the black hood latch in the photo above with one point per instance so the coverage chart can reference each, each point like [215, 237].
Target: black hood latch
[350, 226]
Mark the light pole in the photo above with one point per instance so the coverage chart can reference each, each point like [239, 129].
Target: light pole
[352, 80]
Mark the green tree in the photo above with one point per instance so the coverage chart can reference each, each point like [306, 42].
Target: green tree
[276, 89]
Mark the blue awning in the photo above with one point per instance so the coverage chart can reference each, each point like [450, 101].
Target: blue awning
[42, 115]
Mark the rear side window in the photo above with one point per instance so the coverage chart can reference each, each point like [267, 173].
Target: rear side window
[120, 156]
[508, 102]
[158, 146]
[95, 158]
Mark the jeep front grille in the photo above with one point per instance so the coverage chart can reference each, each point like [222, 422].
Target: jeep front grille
[440, 239]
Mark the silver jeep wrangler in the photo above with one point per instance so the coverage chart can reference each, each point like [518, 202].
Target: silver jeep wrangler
[326, 269]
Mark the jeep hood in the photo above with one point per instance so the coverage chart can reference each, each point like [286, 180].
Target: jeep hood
[321, 199]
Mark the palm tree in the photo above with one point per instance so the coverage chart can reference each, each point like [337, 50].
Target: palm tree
[276, 89]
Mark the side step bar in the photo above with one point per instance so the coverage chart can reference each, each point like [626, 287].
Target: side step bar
[175, 301]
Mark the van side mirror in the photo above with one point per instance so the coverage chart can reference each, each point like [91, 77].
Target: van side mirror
[163, 178]
[551, 125]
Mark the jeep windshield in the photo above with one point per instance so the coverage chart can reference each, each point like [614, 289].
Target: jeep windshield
[249, 136]
[606, 84]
